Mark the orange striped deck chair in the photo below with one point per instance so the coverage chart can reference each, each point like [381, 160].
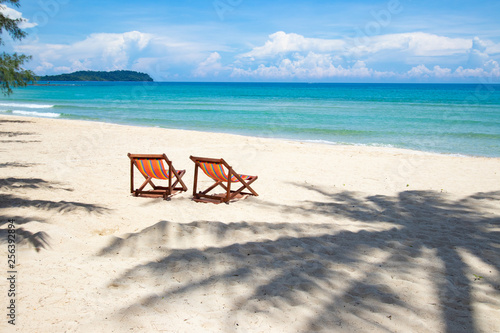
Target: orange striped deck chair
[223, 175]
[153, 167]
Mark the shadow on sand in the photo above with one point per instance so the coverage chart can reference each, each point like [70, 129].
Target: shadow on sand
[415, 237]
[16, 165]
[39, 240]
[15, 134]
[9, 197]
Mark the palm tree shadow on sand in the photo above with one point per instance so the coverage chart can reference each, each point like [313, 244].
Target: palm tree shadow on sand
[342, 280]
[39, 240]
[10, 198]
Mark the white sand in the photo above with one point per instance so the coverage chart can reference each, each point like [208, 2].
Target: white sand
[340, 238]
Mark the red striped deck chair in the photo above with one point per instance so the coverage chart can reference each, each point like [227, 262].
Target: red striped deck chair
[223, 175]
[153, 167]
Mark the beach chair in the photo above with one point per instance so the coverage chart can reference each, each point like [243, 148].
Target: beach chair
[223, 175]
[152, 167]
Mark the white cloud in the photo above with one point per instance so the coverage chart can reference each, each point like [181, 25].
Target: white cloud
[211, 66]
[292, 56]
[477, 54]
[281, 42]
[153, 54]
[284, 56]
[112, 50]
[311, 67]
[478, 65]
[491, 70]
[14, 14]
[414, 44]
[422, 71]
[98, 51]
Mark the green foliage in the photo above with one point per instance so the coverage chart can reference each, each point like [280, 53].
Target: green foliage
[11, 25]
[11, 72]
[121, 75]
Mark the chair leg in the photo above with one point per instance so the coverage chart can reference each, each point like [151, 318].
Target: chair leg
[148, 181]
[212, 187]
[228, 192]
[178, 175]
[195, 183]
[247, 185]
[131, 176]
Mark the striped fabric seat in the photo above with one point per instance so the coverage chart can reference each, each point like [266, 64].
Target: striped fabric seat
[152, 168]
[217, 172]
[224, 175]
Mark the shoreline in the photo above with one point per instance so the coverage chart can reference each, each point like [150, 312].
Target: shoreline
[443, 122]
[307, 141]
[340, 238]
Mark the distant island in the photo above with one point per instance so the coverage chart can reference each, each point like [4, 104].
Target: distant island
[98, 76]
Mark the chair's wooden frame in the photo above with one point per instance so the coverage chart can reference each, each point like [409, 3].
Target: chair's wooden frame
[157, 191]
[203, 196]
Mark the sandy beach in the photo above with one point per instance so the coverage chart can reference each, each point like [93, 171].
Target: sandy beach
[340, 238]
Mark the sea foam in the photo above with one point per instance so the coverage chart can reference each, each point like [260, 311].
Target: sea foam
[37, 114]
[28, 106]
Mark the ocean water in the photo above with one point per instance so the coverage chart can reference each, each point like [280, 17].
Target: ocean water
[443, 118]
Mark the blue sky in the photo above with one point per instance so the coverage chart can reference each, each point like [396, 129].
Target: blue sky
[254, 40]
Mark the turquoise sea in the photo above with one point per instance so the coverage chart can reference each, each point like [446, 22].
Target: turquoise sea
[443, 118]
